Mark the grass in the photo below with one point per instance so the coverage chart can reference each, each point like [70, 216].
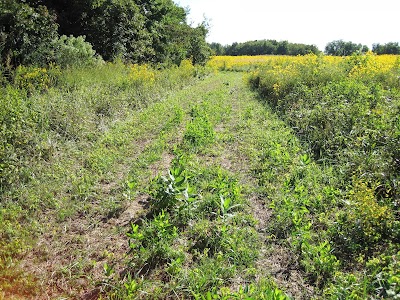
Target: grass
[163, 186]
[80, 165]
[349, 126]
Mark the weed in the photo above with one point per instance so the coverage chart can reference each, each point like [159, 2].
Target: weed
[173, 194]
[150, 245]
[199, 132]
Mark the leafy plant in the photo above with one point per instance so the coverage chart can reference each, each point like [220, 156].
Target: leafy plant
[199, 132]
[319, 261]
[150, 244]
[26, 34]
[74, 51]
[173, 193]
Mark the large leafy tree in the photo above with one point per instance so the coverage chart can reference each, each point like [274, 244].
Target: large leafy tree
[198, 50]
[26, 33]
[134, 30]
[166, 23]
[117, 28]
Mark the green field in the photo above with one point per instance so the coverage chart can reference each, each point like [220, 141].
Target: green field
[125, 182]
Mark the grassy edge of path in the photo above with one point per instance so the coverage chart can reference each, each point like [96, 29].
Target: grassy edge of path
[237, 149]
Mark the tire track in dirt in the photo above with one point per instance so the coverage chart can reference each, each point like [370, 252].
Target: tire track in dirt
[239, 143]
[68, 258]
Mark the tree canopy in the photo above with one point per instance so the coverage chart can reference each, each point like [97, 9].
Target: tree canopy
[153, 31]
[343, 48]
[388, 48]
[264, 47]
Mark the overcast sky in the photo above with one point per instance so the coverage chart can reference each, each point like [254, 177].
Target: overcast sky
[298, 21]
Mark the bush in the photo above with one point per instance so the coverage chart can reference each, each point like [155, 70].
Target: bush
[32, 79]
[363, 223]
[74, 51]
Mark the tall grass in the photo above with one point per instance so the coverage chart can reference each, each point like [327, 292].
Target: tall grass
[50, 120]
[346, 111]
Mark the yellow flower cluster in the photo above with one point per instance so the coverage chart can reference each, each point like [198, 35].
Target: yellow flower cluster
[371, 218]
[244, 63]
[363, 66]
[186, 69]
[32, 78]
[142, 74]
[372, 66]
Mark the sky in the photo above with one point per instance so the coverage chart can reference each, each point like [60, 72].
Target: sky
[315, 22]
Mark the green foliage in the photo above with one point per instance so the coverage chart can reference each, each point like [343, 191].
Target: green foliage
[264, 47]
[381, 280]
[134, 31]
[198, 50]
[225, 238]
[173, 193]
[319, 262]
[388, 48]
[384, 274]
[116, 29]
[260, 291]
[363, 223]
[63, 133]
[18, 137]
[150, 244]
[199, 132]
[342, 48]
[34, 79]
[346, 115]
[201, 250]
[26, 33]
[73, 51]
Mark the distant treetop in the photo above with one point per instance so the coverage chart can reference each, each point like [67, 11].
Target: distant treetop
[264, 47]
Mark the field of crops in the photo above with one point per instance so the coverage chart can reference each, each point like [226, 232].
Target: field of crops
[268, 177]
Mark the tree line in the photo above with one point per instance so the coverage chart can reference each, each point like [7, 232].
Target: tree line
[263, 47]
[151, 31]
[343, 48]
[273, 47]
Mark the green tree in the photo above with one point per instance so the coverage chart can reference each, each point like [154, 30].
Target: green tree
[199, 51]
[217, 49]
[26, 33]
[342, 48]
[388, 48]
[269, 47]
[153, 31]
[117, 28]
[283, 48]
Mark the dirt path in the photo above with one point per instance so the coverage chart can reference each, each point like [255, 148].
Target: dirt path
[244, 137]
[69, 257]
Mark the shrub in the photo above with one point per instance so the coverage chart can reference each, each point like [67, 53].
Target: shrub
[363, 223]
[32, 79]
[74, 51]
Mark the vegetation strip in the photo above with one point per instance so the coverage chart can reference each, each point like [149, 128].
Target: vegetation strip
[211, 192]
[80, 171]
